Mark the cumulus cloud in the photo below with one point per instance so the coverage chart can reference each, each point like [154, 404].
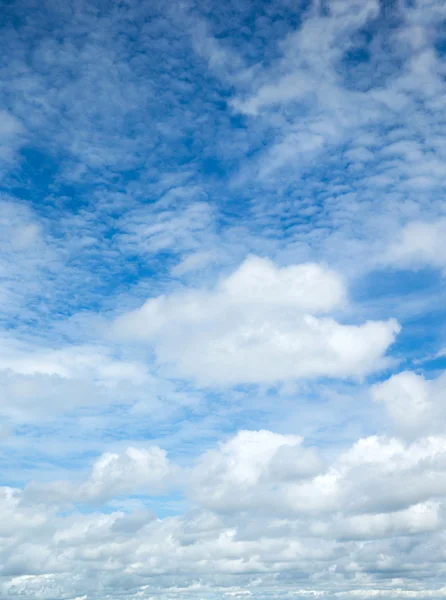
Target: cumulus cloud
[419, 244]
[414, 403]
[263, 503]
[136, 470]
[118, 474]
[259, 324]
[245, 470]
[285, 479]
[40, 383]
[68, 363]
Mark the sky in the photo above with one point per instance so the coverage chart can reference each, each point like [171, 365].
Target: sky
[222, 299]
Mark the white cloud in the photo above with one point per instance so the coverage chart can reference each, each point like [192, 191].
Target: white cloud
[259, 325]
[195, 261]
[278, 476]
[69, 362]
[81, 391]
[12, 133]
[420, 244]
[372, 130]
[251, 464]
[393, 593]
[136, 470]
[306, 69]
[419, 518]
[305, 80]
[336, 156]
[182, 220]
[41, 383]
[415, 404]
[26, 259]
[263, 504]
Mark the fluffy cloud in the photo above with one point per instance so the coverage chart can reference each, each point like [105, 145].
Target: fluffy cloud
[116, 474]
[262, 323]
[136, 470]
[420, 244]
[415, 404]
[40, 382]
[245, 471]
[68, 363]
[264, 504]
[278, 476]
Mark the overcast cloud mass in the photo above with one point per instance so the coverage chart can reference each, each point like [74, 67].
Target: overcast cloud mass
[222, 299]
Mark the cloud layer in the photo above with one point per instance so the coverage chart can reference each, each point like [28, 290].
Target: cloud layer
[222, 291]
[262, 504]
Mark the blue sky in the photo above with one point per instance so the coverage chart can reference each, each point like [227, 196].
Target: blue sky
[222, 292]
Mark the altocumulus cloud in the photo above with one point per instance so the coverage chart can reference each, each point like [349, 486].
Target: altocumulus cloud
[222, 326]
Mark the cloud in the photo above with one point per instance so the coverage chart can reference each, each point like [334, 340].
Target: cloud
[180, 221]
[395, 593]
[70, 362]
[114, 474]
[250, 462]
[419, 244]
[146, 150]
[346, 109]
[259, 325]
[415, 404]
[278, 476]
[25, 256]
[263, 503]
[12, 137]
[306, 81]
[315, 103]
[136, 470]
[39, 383]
